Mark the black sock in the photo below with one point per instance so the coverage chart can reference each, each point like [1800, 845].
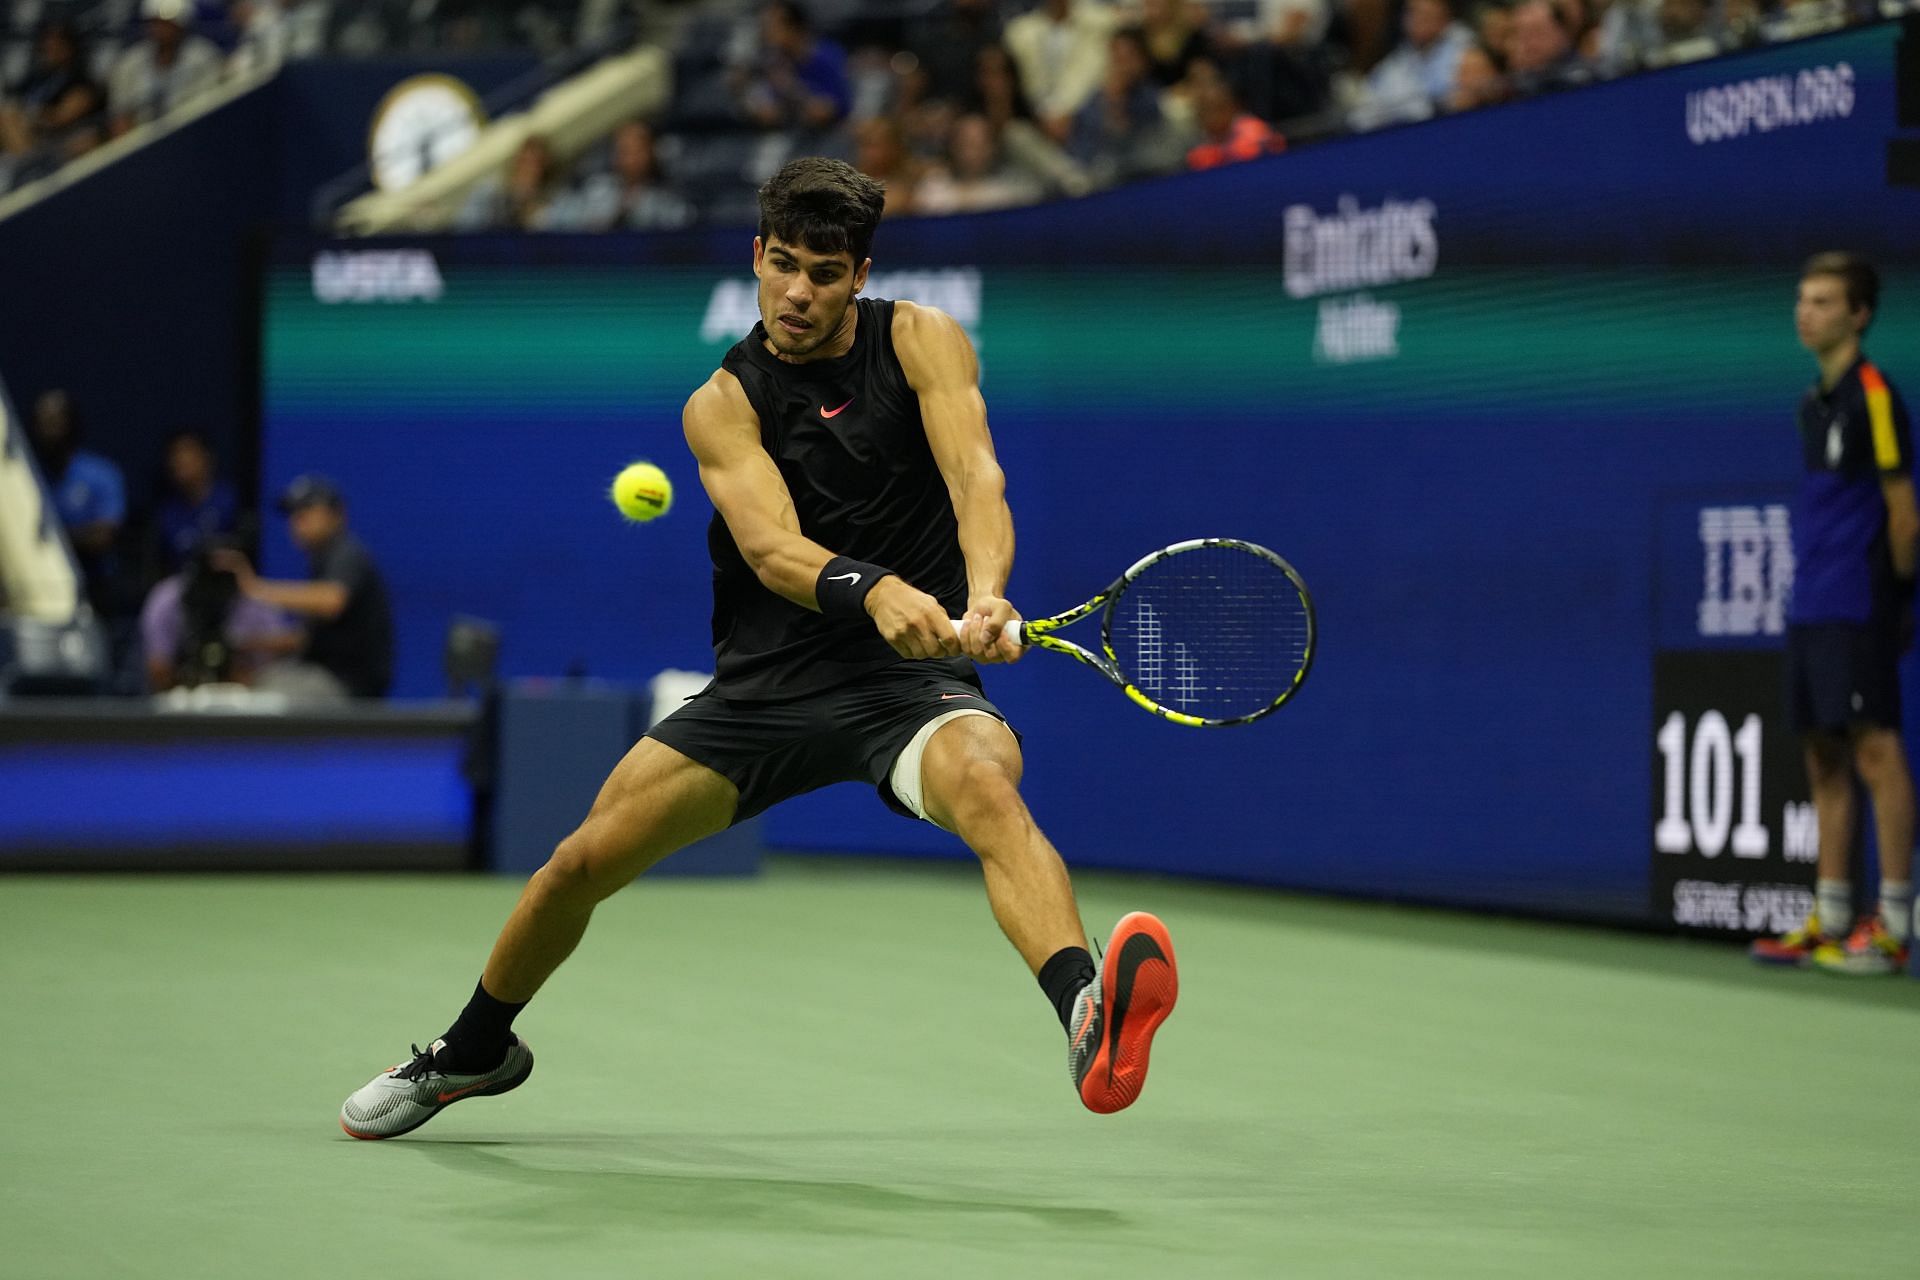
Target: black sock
[478, 1039]
[1063, 976]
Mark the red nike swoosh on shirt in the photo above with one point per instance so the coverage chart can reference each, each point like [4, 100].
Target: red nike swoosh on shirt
[831, 413]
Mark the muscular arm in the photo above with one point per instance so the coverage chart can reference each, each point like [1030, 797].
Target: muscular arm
[1903, 524]
[749, 491]
[941, 367]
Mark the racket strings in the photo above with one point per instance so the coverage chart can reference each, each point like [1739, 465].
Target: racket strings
[1215, 632]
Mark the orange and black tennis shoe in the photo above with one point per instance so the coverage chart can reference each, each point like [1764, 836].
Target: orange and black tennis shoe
[1115, 1015]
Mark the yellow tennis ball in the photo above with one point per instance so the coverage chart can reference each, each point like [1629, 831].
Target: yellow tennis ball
[642, 491]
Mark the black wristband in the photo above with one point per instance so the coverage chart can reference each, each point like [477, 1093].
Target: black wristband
[841, 590]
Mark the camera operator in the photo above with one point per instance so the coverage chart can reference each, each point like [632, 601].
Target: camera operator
[349, 622]
[196, 628]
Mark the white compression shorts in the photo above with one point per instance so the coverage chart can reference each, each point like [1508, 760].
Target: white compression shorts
[904, 778]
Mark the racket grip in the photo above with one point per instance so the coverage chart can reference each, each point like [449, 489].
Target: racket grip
[1011, 631]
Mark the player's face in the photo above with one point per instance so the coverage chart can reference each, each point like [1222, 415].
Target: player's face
[806, 298]
[1822, 317]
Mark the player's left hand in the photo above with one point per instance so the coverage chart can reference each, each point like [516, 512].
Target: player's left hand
[981, 632]
[910, 620]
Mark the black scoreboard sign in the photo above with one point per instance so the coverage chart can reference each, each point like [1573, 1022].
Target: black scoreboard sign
[1734, 833]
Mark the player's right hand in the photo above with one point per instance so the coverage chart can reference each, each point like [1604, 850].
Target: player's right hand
[983, 633]
[910, 620]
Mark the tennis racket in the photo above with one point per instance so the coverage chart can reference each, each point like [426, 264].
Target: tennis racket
[1213, 631]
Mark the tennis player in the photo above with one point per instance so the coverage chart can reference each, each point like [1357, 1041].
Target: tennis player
[859, 508]
[1854, 543]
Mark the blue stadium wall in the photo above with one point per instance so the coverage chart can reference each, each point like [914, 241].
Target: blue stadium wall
[1514, 390]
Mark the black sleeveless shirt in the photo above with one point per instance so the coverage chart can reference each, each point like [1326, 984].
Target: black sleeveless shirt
[847, 437]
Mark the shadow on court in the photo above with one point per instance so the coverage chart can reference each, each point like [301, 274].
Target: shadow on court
[597, 1181]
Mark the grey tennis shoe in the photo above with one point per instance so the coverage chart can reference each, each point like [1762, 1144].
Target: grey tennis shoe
[407, 1095]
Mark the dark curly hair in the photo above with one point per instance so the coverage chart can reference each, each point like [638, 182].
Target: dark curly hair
[821, 204]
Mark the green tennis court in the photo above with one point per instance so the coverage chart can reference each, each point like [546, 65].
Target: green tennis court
[843, 1071]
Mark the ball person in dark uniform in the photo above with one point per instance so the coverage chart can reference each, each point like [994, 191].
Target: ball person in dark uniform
[860, 509]
[1851, 613]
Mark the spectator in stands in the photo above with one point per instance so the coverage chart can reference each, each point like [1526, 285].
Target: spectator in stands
[1411, 82]
[999, 97]
[799, 79]
[88, 492]
[1362, 31]
[976, 177]
[1627, 34]
[1275, 57]
[57, 110]
[1060, 49]
[635, 195]
[1542, 57]
[881, 152]
[1287, 24]
[1683, 27]
[529, 198]
[1175, 39]
[997, 92]
[277, 31]
[171, 66]
[1740, 23]
[197, 505]
[1479, 80]
[927, 125]
[349, 644]
[1229, 133]
[1577, 17]
[196, 628]
[1122, 132]
[947, 44]
[887, 82]
[1493, 23]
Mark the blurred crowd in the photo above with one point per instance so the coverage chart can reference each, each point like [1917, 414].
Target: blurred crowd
[959, 105]
[78, 74]
[969, 105]
[75, 73]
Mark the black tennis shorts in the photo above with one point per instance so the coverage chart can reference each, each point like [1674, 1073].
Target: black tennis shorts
[854, 732]
[1842, 675]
